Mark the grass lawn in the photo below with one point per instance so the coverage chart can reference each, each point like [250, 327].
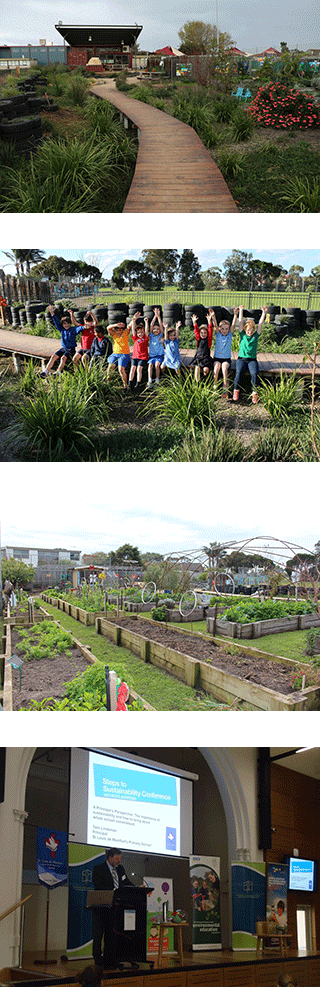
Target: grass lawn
[160, 690]
[291, 645]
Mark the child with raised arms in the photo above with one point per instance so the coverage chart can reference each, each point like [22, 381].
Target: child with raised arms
[222, 351]
[171, 361]
[156, 349]
[247, 357]
[139, 360]
[120, 357]
[68, 334]
[202, 360]
[87, 336]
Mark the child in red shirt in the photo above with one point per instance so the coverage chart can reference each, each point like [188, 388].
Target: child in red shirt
[87, 336]
[139, 359]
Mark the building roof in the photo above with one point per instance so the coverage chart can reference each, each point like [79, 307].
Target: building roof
[78, 35]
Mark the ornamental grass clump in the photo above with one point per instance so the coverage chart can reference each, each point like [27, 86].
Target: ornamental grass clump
[280, 106]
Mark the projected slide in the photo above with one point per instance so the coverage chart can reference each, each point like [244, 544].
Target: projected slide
[133, 807]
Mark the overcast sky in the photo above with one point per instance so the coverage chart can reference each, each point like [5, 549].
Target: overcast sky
[161, 507]
[108, 259]
[252, 26]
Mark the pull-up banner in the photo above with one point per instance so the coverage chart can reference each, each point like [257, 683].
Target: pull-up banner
[205, 895]
[248, 902]
[52, 867]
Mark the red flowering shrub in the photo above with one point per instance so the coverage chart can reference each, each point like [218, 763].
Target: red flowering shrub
[277, 105]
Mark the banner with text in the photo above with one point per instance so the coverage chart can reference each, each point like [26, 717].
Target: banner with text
[277, 888]
[82, 860]
[248, 902]
[51, 857]
[205, 896]
[163, 891]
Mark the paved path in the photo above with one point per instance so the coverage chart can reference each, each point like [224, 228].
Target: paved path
[174, 172]
[42, 347]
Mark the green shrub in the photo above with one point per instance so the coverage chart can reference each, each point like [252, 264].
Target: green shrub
[275, 446]
[184, 402]
[58, 423]
[242, 125]
[301, 194]
[281, 399]
[210, 445]
[158, 613]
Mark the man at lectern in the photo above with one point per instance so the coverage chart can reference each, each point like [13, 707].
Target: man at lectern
[106, 877]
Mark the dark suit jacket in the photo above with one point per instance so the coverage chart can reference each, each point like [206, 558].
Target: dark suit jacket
[102, 877]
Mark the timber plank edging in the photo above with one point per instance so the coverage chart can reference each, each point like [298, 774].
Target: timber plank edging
[174, 171]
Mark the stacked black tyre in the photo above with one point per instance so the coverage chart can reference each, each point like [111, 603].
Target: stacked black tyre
[33, 309]
[198, 310]
[172, 313]
[101, 313]
[25, 132]
[312, 318]
[117, 312]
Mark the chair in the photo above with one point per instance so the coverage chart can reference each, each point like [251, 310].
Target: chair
[247, 95]
[239, 93]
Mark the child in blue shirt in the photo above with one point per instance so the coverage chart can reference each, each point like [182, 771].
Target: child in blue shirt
[101, 347]
[156, 350]
[222, 353]
[68, 340]
[172, 359]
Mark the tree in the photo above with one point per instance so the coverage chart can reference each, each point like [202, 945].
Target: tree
[212, 278]
[132, 273]
[126, 554]
[163, 264]
[22, 259]
[264, 273]
[189, 271]
[17, 571]
[97, 558]
[295, 279]
[198, 38]
[216, 554]
[238, 270]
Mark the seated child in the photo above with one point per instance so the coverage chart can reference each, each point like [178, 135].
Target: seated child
[171, 359]
[87, 337]
[247, 358]
[101, 347]
[222, 353]
[156, 350]
[202, 359]
[68, 340]
[139, 359]
[120, 357]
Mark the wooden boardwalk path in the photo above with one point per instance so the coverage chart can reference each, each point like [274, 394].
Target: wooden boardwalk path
[174, 171]
[42, 347]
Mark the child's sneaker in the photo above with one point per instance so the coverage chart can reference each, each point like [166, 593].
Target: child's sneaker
[149, 385]
[235, 396]
[225, 392]
[255, 398]
[157, 382]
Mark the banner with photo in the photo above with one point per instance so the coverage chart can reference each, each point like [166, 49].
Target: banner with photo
[52, 868]
[277, 893]
[205, 896]
[163, 891]
[248, 902]
[82, 860]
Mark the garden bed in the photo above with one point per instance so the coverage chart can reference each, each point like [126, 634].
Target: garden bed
[225, 671]
[43, 678]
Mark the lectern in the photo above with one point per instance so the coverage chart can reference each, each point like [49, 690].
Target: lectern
[128, 921]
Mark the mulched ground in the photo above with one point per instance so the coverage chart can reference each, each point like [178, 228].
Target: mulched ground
[44, 678]
[263, 671]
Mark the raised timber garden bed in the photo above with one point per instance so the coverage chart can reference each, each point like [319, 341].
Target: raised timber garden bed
[261, 628]
[228, 672]
[43, 678]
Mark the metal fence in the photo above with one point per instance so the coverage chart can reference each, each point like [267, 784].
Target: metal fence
[250, 299]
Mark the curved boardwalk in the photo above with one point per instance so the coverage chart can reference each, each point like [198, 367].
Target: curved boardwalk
[174, 172]
[42, 347]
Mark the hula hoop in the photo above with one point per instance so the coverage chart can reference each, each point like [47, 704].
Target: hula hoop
[225, 591]
[187, 603]
[149, 592]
